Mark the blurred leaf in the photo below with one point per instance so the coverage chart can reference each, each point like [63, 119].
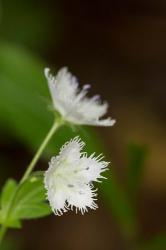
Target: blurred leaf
[119, 205]
[136, 160]
[31, 23]
[22, 85]
[158, 242]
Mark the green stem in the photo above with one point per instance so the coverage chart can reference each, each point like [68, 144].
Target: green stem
[32, 164]
[2, 233]
[30, 168]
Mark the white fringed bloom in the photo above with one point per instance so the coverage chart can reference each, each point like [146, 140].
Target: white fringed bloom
[68, 180]
[72, 102]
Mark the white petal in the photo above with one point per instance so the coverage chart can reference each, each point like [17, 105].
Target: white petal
[93, 167]
[71, 150]
[82, 198]
[104, 122]
[57, 201]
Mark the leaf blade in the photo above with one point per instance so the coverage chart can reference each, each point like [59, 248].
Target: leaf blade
[30, 200]
[7, 192]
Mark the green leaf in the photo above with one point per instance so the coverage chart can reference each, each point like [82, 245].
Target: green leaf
[32, 211]
[32, 190]
[7, 194]
[10, 222]
[136, 159]
[30, 199]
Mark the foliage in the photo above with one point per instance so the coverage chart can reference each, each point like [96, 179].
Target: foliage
[27, 201]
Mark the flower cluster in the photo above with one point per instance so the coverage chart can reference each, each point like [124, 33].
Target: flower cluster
[69, 178]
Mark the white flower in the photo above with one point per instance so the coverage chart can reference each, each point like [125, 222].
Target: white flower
[69, 177]
[72, 103]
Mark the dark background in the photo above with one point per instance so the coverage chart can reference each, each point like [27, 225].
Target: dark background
[119, 47]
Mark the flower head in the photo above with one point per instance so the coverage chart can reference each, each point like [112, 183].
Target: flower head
[69, 177]
[72, 102]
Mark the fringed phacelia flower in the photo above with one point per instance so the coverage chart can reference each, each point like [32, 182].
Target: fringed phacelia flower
[69, 178]
[73, 104]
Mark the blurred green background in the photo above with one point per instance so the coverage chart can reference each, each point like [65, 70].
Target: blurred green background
[119, 48]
